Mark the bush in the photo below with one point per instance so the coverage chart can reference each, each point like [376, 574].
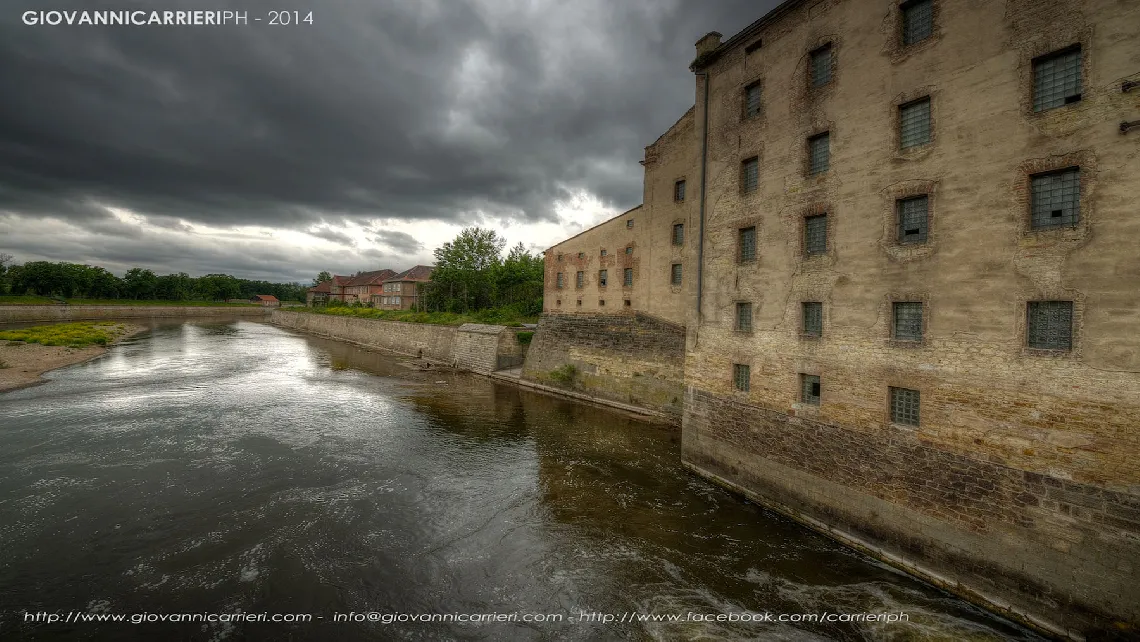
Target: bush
[564, 374]
[524, 338]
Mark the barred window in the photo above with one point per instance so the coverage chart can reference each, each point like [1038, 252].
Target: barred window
[749, 174]
[809, 387]
[914, 123]
[908, 321]
[629, 224]
[604, 252]
[752, 100]
[819, 153]
[628, 278]
[679, 234]
[1057, 79]
[821, 66]
[744, 317]
[581, 279]
[560, 280]
[813, 318]
[679, 191]
[601, 278]
[741, 376]
[629, 250]
[1050, 325]
[559, 258]
[815, 235]
[913, 219]
[1055, 198]
[675, 278]
[581, 255]
[747, 244]
[904, 406]
[918, 21]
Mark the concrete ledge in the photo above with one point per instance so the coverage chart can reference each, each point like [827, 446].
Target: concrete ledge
[577, 396]
[909, 566]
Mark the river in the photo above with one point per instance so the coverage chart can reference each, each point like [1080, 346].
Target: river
[225, 466]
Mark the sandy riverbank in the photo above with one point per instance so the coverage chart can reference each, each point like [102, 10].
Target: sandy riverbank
[25, 362]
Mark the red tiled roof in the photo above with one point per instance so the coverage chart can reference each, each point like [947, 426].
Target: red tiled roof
[418, 273]
[323, 286]
[370, 278]
[265, 297]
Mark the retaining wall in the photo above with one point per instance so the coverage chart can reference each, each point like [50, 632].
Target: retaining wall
[28, 313]
[434, 342]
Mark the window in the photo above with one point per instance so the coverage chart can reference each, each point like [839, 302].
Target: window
[561, 280]
[752, 100]
[749, 174]
[579, 302]
[602, 302]
[914, 123]
[821, 66]
[581, 279]
[1055, 198]
[819, 153]
[628, 303]
[628, 277]
[604, 252]
[913, 219]
[601, 278]
[558, 302]
[815, 235]
[679, 234]
[747, 244]
[813, 318]
[741, 376]
[559, 258]
[1050, 325]
[581, 255]
[809, 389]
[675, 279]
[904, 406]
[917, 21]
[629, 224]
[744, 317]
[1057, 79]
[908, 321]
[679, 191]
[629, 250]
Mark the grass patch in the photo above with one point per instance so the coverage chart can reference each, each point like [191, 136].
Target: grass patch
[43, 300]
[73, 335]
[524, 338]
[495, 316]
[564, 374]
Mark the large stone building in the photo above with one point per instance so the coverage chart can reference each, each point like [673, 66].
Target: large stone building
[915, 320]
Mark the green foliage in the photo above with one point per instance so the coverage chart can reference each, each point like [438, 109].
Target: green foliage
[564, 374]
[471, 275]
[524, 338]
[72, 280]
[75, 335]
[493, 316]
[321, 278]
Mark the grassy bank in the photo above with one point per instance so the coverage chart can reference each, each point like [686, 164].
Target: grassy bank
[43, 300]
[72, 335]
[494, 316]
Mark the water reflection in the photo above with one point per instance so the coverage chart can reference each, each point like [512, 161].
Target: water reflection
[209, 467]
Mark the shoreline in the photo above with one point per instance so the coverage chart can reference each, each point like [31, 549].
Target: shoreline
[28, 362]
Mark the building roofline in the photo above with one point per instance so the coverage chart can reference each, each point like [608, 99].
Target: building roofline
[685, 115]
[608, 220]
[744, 34]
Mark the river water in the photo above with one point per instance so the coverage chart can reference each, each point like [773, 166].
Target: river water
[218, 467]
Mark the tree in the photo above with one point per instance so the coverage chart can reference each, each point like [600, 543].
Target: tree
[321, 278]
[463, 277]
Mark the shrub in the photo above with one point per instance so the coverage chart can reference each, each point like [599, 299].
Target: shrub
[564, 374]
[524, 338]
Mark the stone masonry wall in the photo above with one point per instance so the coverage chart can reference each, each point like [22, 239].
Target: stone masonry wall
[434, 342]
[31, 313]
[630, 358]
[477, 346]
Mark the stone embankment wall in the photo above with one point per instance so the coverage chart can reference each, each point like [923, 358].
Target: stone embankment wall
[434, 342]
[31, 313]
[634, 359]
[487, 348]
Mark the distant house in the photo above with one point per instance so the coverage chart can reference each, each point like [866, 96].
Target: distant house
[319, 294]
[402, 291]
[360, 288]
[268, 300]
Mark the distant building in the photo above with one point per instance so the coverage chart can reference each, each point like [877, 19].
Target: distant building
[402, 291]
[267, 300]
[319, 294]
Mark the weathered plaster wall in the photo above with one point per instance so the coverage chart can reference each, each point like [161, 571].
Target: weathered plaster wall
[28, 313]
[632, 358]
[1020, 483]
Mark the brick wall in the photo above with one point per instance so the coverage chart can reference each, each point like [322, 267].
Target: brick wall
[630, 358]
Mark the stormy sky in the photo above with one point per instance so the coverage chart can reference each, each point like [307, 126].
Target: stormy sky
[358, 142]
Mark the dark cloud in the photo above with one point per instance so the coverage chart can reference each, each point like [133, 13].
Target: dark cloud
[459, 111]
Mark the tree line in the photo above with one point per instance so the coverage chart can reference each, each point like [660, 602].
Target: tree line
[73, 280]
[471, 274]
